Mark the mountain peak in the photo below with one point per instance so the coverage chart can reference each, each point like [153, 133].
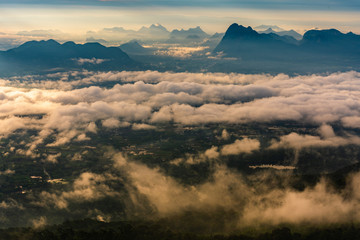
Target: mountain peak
[265, 27]
[47, 43]
[132, 43]
[135, 48]
[50, 41]
[69, 43]
[50, 54]
[38, 44]
[153, 28]
[95, 44]
[322, 35]
[190, 30]
[158, 26]
[238, 31]
[195, 33]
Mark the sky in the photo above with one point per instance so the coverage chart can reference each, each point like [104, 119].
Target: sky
[76, 17]
[259, 4]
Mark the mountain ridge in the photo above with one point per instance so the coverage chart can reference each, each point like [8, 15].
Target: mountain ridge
[243, 41]
[133, 47]
[291, 33]
[47, 54]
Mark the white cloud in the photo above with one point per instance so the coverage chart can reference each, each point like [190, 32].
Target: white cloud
[111, 123]
[68, 110]
[53, 157]
[259, 200]
[270, 166]
[351, 122]
[327, 139]
[225, 135]
[245, 145]
[86, 188]
[92, 127]
[82, 61]
[142, 126]
[64, 111]
[212, 153]
[180, 52]
[39, 223]
[7, 172]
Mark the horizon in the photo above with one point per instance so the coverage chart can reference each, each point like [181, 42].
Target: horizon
[79, 18]
[62, 20]
[21, 37]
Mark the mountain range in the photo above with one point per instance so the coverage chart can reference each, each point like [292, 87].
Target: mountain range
[290, 33]
[40, 55]
[155, 32]
[326, 48]
[263, 27]
[190, 34]
[246, 43]
[241, 49]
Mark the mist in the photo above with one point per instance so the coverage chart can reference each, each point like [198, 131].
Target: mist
[243, 148]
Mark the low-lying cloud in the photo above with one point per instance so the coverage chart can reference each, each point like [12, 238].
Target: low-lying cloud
[146, 99]
[262, 199]
[82, 61]
[73, 107]
[253, 200]
[327, 138]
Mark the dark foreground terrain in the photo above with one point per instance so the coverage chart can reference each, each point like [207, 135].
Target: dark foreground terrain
[90, 229]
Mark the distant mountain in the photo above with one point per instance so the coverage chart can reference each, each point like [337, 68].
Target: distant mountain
[151, 33]
[190, 34]
[41, 33]
[116, 30]
[68, 50]
[134, 48]
[265, 27]
[101, 41]
[212, 41]
[246, 43]
[154, 29]
[290, 33]
[45, 55]
[324, 49]
[331, 41]
[217, 35]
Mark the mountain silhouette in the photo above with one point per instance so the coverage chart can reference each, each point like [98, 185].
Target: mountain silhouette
[264, 27]
[290, 33]
[247, 44]
[38, 55]
[217, 35]
[154, 29]
[191, 34]
[114, 34]
[331, 42]
[101, 41]
[134, 48]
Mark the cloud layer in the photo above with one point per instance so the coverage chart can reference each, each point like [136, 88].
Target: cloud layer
[69, 105]
[60, 109]
[265, 199]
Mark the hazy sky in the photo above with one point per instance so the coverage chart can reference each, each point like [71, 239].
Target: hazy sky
[260, 4]
[79, 16]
